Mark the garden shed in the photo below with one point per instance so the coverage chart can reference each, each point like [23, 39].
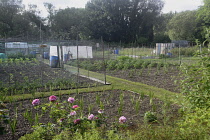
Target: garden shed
[164, 48]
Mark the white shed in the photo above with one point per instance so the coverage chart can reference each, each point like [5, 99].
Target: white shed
[164, 48]
[70, 52]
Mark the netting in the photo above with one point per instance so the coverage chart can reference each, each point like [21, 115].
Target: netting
[46, 66]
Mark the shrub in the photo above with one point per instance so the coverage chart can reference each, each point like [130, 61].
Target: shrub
[195, 86]
[111, 64]
[138, 63]
[196, 124]
[40, 133]
[150, 116]
[124, 58]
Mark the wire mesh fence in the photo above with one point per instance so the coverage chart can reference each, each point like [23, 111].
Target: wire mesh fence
[53, 65]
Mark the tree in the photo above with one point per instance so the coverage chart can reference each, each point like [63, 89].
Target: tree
[8, 10]
[160, 28]
[16, 22]
[68, 23]
[51, 13]
[122, 20]
[203, 19]
[183, 26]
[37, 28]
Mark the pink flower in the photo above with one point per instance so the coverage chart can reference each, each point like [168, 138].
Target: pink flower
[75, 106]
[36, 102]
[73, 113]
[100, 111]
[122, 119]
[71, 100]
[52, 98]
[77, 121]
[91, 117]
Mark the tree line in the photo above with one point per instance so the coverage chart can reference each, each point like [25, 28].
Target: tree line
[126, 21]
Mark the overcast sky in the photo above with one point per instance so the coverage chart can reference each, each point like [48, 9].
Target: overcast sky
[170, 5]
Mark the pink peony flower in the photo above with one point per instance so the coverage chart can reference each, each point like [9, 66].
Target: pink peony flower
[52, 98]
[75, 106]
[71, 100]
[122, 119]
[36, 102]
[91, 117]
[77, 121]
[100, 111]
[73, 113]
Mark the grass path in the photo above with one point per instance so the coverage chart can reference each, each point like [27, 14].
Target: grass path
[116, 83]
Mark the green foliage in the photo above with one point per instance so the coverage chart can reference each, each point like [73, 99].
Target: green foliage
[28, 116]
[41, 132]
[161, 38]
[21, 56]
[93, 134]
[197, 118]
[62, 121]
[138, 63]
[4, 117]
[128, 64]
[142, 40]
[111, 64]
[119, 19]
[150, 132]
[121, 63]
[89, 66]
[150, 116]
[30, 84]
[144, 132]
[124, 58]
[196, 85]
[185, 51]
[67, 23]
[99, 65]
[183, 26]
[160, 28]
[161, 56]
[145, 64]
[203, 19]
[196, 123]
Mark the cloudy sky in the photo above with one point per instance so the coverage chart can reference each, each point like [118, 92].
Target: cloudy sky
[170, 5]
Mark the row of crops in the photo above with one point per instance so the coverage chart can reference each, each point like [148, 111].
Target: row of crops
[28, 75]
[121, 63]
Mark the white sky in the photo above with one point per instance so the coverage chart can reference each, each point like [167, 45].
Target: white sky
[170, 5]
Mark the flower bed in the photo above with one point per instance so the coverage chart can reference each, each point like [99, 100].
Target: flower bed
[109, 109]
